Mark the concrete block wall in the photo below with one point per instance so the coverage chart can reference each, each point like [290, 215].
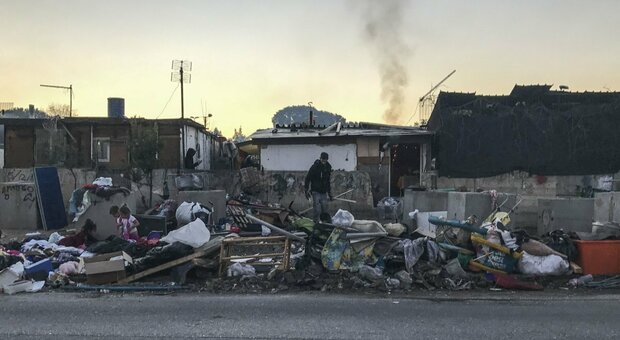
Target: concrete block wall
[570, 214]
[18, 206]
[461, 205]
[607, 207]
[423, 201]
[524, 184]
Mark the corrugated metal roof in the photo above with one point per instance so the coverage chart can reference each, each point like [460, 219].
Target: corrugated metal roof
[361, 129]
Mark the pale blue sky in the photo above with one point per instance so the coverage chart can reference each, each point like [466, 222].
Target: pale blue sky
[252, 58]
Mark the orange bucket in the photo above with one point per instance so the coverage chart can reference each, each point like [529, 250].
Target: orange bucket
[599, 257]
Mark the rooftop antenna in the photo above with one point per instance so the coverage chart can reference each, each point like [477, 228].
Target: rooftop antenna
[182, 76]
[70, 88]
[427, 101]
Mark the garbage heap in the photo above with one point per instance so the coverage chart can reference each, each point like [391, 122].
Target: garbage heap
[262, 247]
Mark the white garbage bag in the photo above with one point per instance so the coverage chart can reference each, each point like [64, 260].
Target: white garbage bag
[343, 218]
[193, 234]
[186, 212]
[543, 265]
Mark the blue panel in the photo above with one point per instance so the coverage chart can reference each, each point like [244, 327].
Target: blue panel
[51, 202]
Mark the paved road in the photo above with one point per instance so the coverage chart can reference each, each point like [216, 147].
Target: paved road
[304, 316]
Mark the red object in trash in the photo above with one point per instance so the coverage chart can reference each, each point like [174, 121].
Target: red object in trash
[599, 257]
[235, 229]
[509, 282]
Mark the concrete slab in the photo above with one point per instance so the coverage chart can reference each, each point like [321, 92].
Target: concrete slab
[99, 212]
[423, 201]
[607, 207]
[570, 214]
[217, 197]
[18, 206]
[461, 205]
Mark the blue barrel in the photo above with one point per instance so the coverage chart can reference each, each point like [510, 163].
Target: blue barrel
[116, 107]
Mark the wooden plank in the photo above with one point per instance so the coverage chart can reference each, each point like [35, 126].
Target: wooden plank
[252, 239]
[208, 248]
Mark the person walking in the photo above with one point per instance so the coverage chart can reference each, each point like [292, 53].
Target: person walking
[317, 185]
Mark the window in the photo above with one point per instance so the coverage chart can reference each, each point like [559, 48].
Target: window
[102, 149]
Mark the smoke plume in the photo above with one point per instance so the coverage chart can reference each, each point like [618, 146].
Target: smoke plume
[383, 30]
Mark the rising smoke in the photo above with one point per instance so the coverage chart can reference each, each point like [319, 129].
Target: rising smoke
[383, 30]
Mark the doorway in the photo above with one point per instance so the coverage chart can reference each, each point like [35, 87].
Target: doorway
[404, 167]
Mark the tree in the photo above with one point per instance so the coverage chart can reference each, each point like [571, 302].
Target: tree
[238, 136]
[61, 110]
[217, 132]
[144, 149]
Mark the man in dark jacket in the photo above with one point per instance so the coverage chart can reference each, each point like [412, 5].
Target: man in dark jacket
[317, 184]
[189, 159]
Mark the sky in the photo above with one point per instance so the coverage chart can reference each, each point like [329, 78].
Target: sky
[365, 60]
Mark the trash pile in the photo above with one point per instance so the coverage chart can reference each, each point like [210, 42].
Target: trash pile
[262, 247]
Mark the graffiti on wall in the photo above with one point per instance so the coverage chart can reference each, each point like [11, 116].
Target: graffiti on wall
[20, 192]
[19, 175]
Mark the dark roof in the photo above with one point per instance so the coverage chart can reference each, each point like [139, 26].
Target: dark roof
[101, 120]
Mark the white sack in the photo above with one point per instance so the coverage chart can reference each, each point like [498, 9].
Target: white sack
[194, 234]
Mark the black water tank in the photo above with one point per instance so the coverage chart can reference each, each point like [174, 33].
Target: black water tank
[116, 107]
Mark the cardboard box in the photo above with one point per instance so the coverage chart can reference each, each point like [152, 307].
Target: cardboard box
[101, 270]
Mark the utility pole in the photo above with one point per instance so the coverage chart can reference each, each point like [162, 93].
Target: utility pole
[70, 88]
[182, 77]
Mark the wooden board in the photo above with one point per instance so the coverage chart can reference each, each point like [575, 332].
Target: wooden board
[210, 247]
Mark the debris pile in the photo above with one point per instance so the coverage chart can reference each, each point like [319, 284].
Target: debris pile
[261, 247]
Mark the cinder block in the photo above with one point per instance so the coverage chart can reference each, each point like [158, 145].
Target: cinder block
[461, 205]
[570, 214]
[607, 207]
[19, 206]
[423, 201]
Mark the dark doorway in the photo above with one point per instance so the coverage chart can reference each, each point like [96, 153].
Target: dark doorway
[405, 167]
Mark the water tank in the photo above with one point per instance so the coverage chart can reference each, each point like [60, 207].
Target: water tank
[116, 107]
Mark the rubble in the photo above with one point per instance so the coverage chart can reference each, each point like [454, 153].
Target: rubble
[266, 248]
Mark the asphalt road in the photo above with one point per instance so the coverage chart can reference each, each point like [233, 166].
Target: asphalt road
[304, 316]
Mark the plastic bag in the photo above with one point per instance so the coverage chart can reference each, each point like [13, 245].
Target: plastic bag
[55, 237]
[343, 218]
[371, 274]
[194, 234]
[239, 269]
[69, 268]
[543, 265]
[103, 181]
[186, 212]
[413, 251]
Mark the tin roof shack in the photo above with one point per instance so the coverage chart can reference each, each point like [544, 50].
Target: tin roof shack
[101, 143]
[385, 152]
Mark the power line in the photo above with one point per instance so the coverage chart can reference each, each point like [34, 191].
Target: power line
[168, 102]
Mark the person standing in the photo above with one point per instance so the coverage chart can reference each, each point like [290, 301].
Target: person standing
[317, 185]
[189, 159]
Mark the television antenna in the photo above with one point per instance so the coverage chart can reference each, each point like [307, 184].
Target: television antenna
[427, 101]
[180, 74]
[70, 88]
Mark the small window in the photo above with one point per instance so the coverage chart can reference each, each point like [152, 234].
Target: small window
[102, 149]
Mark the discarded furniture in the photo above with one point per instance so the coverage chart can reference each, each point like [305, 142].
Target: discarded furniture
[277, 248]
[209, 248]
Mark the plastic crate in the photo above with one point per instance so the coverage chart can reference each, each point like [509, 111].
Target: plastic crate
[599, 257]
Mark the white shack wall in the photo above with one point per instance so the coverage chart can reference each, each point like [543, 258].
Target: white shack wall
[299, 157]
